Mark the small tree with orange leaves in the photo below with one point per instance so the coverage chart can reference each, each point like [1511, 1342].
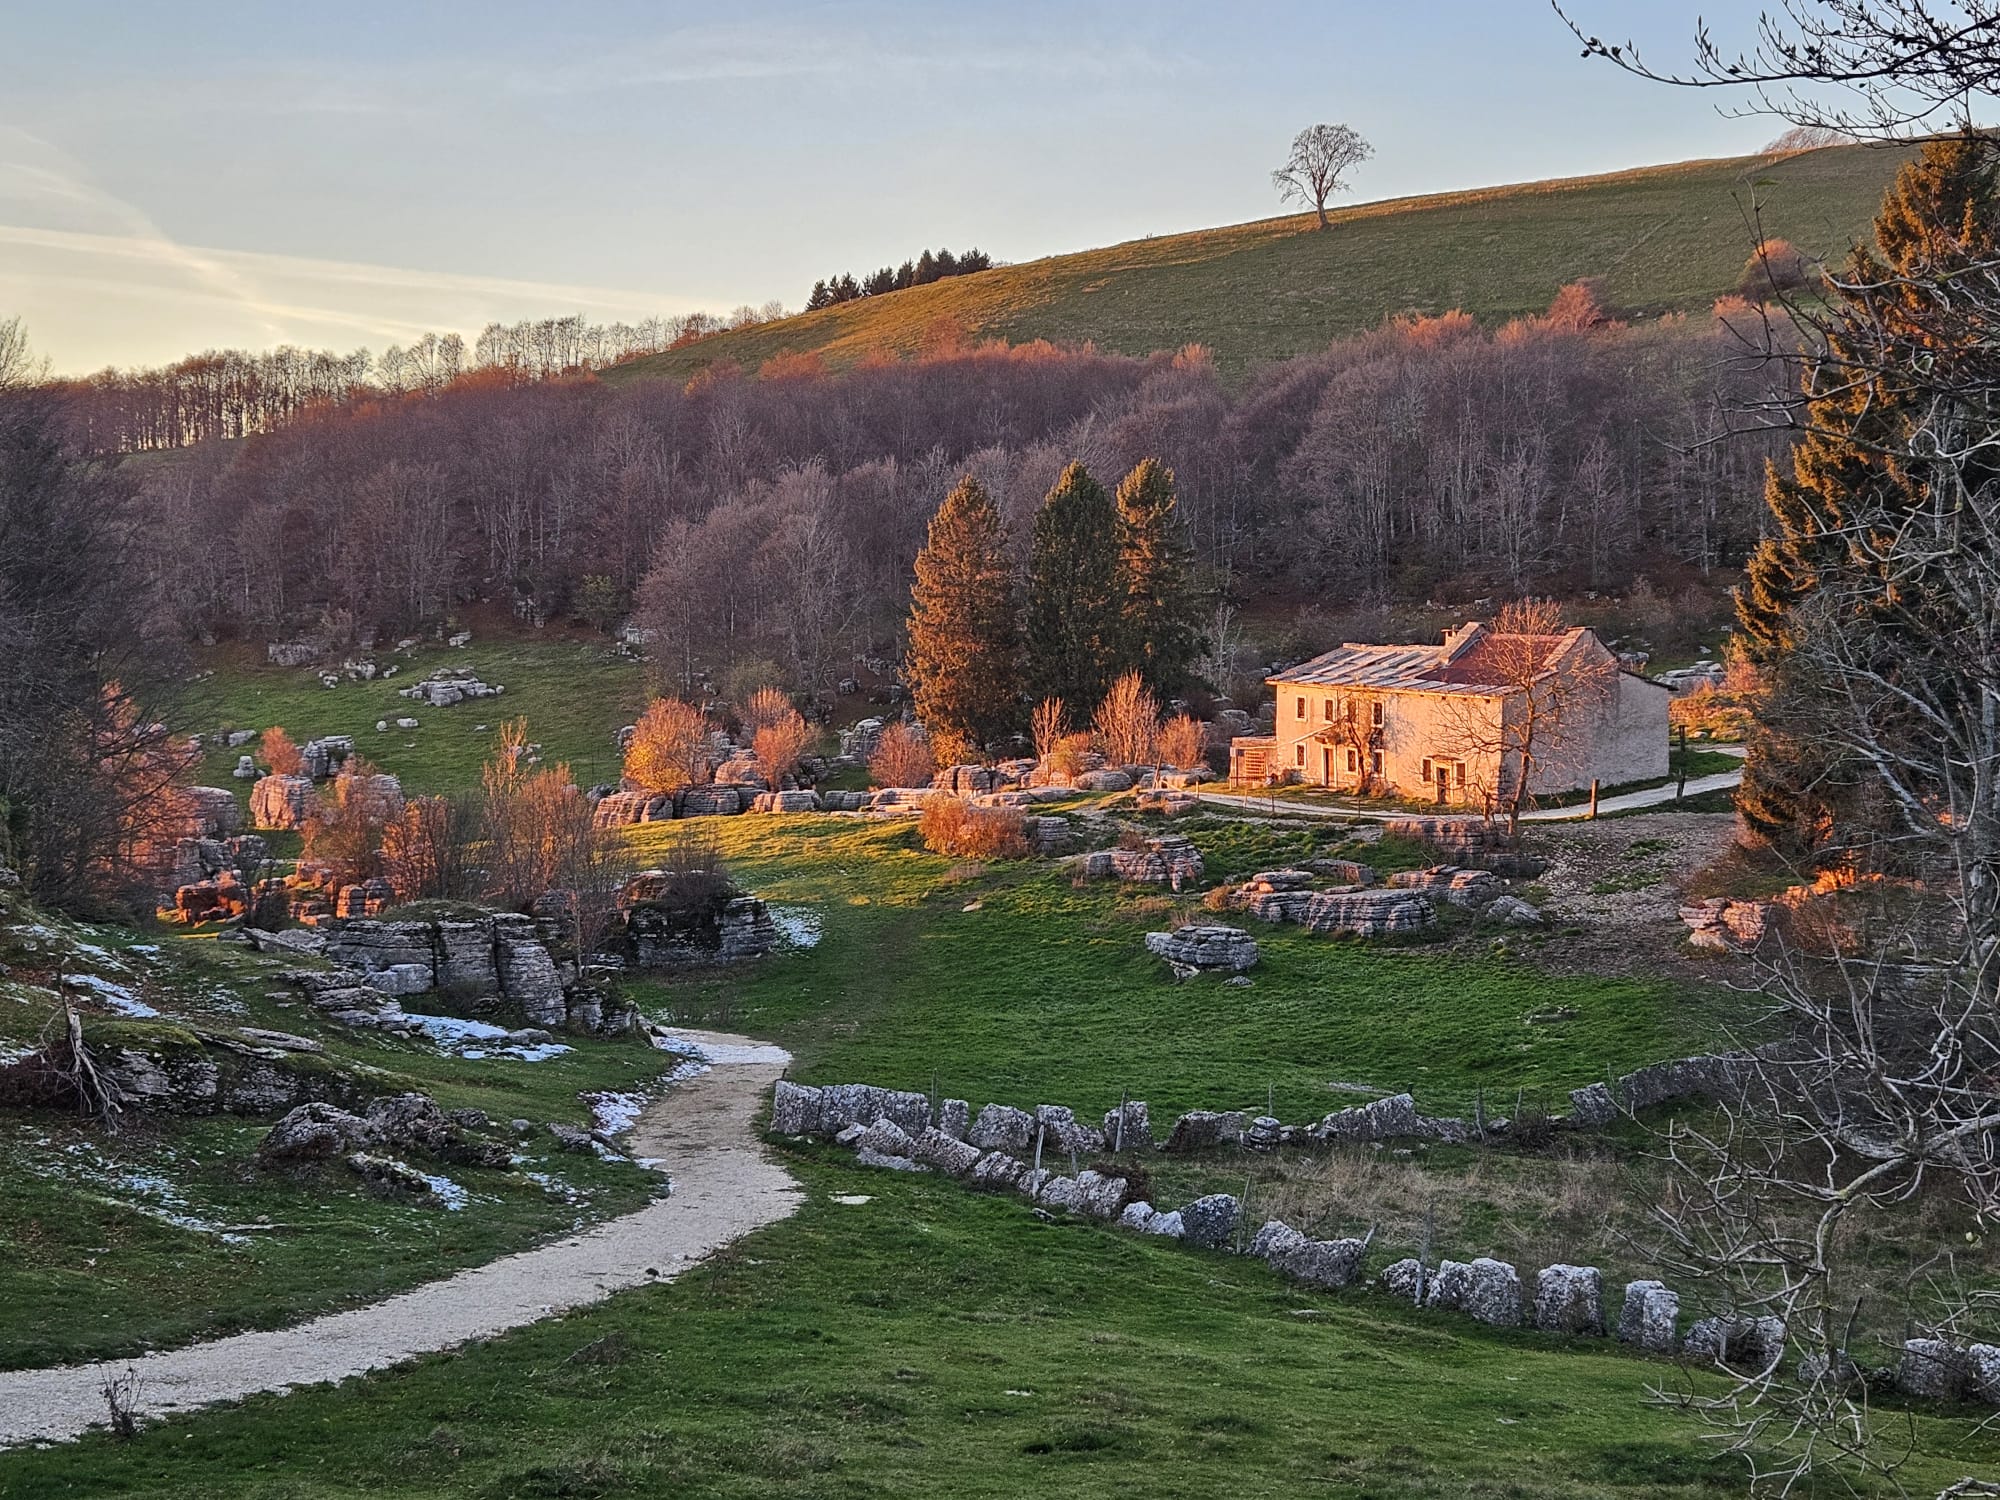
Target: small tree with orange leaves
[902, 758]
[669, 747]
[428, 852]
[782, 743]
[281, 752]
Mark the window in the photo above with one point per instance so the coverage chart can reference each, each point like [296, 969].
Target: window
[1353, 761]
[1375, 713]
[1429, 773]
[1329, 710]
[1375, 763]
[1302, 708]
[1301, 753]
[1458, 775]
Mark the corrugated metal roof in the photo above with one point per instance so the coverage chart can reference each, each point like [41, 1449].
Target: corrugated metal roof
[1458, 665]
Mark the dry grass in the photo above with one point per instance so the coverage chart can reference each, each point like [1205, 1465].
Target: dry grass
[955, 827]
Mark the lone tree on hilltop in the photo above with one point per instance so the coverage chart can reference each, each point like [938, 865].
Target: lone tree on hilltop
[1075, 605]
[1163, 636]
[964, 647]
[1321, 156]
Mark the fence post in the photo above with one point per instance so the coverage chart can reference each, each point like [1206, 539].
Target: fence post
[1593, 799]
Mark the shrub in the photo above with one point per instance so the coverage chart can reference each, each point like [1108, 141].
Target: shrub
[1049, 725]
[781, 742]
[902, 758]
[1182, 740]
[1775, 267]
[1065, 758]
[953, 826]
[669, 748]
[1128, 722]
[281, 752]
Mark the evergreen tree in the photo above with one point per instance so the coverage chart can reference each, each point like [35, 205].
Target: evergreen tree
[1074, 622]
[963, 660]
[1938, 215]
[1162, 634]
[820, 297]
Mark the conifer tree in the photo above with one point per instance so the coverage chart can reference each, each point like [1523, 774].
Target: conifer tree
[1162, 633]
[1074, 614]
[964, 657]
[1939, 214]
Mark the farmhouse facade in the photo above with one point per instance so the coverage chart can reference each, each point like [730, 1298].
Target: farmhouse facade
[1459, 721]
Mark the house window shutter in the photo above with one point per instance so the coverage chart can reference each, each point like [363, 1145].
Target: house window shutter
[1428, 776]
[1353, 761]
[1301, 749]
[1302, 708]
[1375, 713]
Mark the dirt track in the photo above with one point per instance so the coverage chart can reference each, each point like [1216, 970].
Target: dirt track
[724, 1186]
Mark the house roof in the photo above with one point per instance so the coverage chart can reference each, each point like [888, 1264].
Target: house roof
[1471, 660]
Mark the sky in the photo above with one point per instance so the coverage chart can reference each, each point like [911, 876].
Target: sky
[202, 175]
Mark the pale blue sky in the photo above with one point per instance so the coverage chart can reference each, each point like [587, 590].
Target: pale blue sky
[180, 176]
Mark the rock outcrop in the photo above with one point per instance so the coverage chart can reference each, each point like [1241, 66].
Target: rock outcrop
[1204, 948]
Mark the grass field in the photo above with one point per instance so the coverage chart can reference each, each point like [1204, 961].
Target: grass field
[1665, 239]
[1012, 985]
[113, 1243]
[573, 693]
[925, 1341]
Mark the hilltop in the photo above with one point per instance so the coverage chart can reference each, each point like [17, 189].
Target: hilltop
[1665, 239]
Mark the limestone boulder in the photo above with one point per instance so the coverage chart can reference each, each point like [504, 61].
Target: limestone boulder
[1205, 948]
[314, 1132]
[1570, 1299]
[1209, 1223]
[1650, 1317]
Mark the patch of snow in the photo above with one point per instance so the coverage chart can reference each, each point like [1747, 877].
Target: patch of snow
[13, 1052]
[114, 995]
[104, 956]
[852, 1200]
[455, 1032]
[614, 1113]
[718, 1052]
[798, 926]
[449, 1193]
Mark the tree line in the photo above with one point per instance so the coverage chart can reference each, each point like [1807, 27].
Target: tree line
[778, 519]
[922, 271]
[224, 394]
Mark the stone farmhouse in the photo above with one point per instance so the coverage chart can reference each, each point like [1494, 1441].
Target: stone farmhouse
[1455, 722]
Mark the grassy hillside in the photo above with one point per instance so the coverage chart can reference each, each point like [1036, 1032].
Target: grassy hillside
[1666, 239]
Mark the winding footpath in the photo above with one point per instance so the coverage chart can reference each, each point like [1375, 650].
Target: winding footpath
[724, 1186]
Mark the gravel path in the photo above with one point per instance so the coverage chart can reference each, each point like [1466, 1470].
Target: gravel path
[724, 1186]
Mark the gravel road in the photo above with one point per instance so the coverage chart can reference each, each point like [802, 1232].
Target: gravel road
[724, 1186]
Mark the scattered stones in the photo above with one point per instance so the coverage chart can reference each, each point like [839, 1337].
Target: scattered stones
[1513, 911]
[1393, 1118]
[948, 1154]
[795, 1110]
[998, 1172]
[1934, 1370]
[1170, 860]
[868, 1156]
[1206, 1130]
[390, 1178]
[1001, 1127]
[1486, 1290]
[1404, 1279]
[887, 1137]
[314, 1132]
[1450, 884]
[1570, 1299]
[1740, 1343]
[1210, 1223]
[1128, 1128]
[1205, 948]
[445, 687]
[1650, 1317]
[1359, 913]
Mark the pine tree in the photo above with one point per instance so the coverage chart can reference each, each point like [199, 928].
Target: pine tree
[1074, 618]
[964, 656]
[1939, 213]
[1162, 633]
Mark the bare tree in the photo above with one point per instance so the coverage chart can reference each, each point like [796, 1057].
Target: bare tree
[1128, 722]
[1548, 687]
[1321, 156]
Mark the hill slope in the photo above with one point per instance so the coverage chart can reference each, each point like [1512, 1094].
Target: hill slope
[1666, 239]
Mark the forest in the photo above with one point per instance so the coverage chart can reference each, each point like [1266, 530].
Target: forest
[782, 510]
